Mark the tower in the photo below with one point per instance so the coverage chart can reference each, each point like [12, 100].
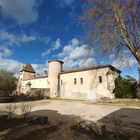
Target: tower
[55, 67]
[26, 73]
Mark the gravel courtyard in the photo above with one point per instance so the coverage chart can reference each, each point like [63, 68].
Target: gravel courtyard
[65, 113]
[86, 110]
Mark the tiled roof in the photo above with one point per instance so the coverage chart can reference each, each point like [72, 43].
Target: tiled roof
[56, 60]
[28, 68]
[91, 68]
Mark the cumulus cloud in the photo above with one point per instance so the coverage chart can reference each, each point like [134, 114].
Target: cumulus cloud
[75, 42]
[75, 54]
[46, 52]
[15, 39]
[10, 65]
[5, 52]
[123, 60]
[79, 63]
[57, 44]
[82, 51]
[23, 11]
[40, 69]
[15, 66]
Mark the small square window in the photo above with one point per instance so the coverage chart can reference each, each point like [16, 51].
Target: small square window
[100, 79]
[81, 80]
[75, 81]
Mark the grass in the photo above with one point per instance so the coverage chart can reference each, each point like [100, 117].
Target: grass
[121, 102]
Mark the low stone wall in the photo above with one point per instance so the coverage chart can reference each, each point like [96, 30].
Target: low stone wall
[40, 92]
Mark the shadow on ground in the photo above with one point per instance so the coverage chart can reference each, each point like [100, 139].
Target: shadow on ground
[59, 128]
[125, 121]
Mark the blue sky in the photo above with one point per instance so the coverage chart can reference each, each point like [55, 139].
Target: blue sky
[35, 31]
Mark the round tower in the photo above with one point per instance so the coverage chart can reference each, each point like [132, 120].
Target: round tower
[55, 67]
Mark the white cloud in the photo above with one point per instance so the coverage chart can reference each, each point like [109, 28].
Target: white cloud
[15, 39]
[88, 62]
[57, 44]
[5, 52]
[75, 54]
[53, 46]
[46, 52]
[70, 63]
[23, 11]
[124, 60]
[82, 51]
[10, 65]
[66, 50]
[40, 68]
[75, 42]
[15, 66]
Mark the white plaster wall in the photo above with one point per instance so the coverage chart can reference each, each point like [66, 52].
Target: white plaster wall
[35, 83]
[90, 89]
[26, 75]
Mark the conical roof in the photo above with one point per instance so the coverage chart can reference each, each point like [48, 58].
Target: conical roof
[28, 68]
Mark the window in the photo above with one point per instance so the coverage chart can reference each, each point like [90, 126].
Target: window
[100, 79]
[61, 82]
[74, 80]
[81, 80]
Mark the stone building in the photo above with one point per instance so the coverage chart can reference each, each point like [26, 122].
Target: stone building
[83, 83]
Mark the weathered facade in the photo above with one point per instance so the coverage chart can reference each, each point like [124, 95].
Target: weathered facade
[83, 83]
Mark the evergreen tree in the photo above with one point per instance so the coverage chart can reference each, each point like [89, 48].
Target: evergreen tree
[123, 88]
[7, 82]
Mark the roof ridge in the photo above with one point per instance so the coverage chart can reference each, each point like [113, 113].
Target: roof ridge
[28, 68]
[93, 67]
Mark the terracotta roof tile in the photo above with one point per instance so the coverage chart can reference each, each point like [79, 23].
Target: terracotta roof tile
[91, 68]
[28, 68]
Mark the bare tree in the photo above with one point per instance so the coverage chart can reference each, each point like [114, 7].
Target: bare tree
[11, 108]
[26, 108]
[115, 24]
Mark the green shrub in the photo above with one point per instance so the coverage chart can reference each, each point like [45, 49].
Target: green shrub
[123, 88]
[6, 99]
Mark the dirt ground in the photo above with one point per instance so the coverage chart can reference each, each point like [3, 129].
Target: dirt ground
[63, 114]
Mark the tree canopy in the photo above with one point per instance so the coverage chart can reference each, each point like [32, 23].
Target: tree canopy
[7, 82]
[115, 24]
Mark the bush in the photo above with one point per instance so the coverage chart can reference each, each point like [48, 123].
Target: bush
[123, 88]
[6, 99]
